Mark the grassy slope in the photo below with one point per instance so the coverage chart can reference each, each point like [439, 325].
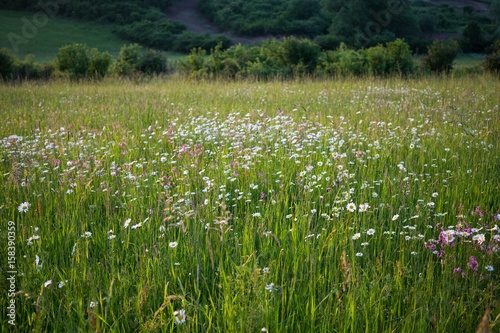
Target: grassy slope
[56, 33]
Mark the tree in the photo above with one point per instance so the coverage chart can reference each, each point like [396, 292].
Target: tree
[492, 61]
[362, 20]
[472, 38]
[129, 59]
[7, 60]
[98, 63]
[73, 59]
[495, 11]
[440, 56]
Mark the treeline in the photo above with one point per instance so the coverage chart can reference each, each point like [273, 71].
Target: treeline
[357, 23]
[268, 17]
[284, 59]
[142, 22]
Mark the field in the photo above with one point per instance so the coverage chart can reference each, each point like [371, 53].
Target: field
[352, 205]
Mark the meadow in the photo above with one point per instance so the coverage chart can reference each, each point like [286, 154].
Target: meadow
[350, 205]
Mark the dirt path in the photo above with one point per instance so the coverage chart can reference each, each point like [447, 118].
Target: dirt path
[186, 12]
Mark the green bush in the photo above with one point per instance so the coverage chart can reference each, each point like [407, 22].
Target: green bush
[300, 55]
[153, 62]
[492, 61]
[376, 58]
[194, 64]
[7, 60]
[99, 63]
[74, 60]
[440, 56]
[399, 57]
[472, 39]
[128, 60]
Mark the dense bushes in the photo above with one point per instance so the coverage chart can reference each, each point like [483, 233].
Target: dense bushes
[294, 57]
[492, 60]
[78, 61]
[440, 56]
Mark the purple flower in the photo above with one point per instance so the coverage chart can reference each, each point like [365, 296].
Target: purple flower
[473, 264]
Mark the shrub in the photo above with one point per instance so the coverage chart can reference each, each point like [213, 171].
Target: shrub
[194, 65]
[376, 58]
[7, 60]
[492, 60]
[399, 57]
[128, 60]
[73, 59]
[472, 38]
[440, 56]
[301, 55]
[153, 62]
[98, 63]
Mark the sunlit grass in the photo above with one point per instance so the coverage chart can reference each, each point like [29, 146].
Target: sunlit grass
[291, 207]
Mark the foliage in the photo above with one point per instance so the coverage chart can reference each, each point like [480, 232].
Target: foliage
[440, 56]
[78, 61]
[472, 39]
[99, 63]
[7, 59]
[300, 55]
[74, 60]
[153, 62]
[399, 57]
[129, 59]
[154, 34]
[260, 17]
[362, 22]
[492, 60]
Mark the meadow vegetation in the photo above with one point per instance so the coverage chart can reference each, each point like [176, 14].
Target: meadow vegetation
[347, 205]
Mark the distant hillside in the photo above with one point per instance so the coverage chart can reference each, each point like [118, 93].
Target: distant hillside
[180, 25]
[44, 42]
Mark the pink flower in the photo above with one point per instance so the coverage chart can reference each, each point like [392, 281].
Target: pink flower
[473, 264]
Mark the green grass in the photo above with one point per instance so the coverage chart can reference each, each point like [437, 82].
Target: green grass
[58, 32]
[238, 196]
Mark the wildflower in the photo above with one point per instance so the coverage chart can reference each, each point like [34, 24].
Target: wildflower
[180, 316]
[356, 236]
[478, 238]
[61, 284]
[473, 264]
[47, 283]
[173, 245]
[395, 217]
[23, 208]
[263, 329]
[364, 207]
[435, 195]
[489, 268]
[359, 254]
[458, 271]
[448, 236]
[135, 226]
[270, 287]
[93, 304]
[87, 234]
[266, 270]
[351, 207]
[127, 222]
[370, 232]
